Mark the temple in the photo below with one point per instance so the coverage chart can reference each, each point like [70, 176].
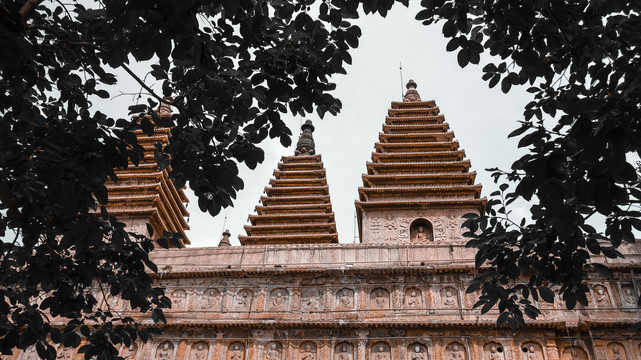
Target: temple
[292, 292]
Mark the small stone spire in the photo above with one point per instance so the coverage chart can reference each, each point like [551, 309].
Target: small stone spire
[305, 145]
[225, 240]
[411, 95]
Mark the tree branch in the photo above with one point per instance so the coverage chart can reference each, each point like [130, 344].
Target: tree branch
[27, 9]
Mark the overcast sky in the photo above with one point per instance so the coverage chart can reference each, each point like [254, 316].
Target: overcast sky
[480, 117]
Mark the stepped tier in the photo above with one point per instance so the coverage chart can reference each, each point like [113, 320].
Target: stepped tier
[145, 194]
[296, 208]
[417, 165]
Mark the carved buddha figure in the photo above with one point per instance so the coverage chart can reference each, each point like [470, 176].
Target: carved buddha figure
[236, 352]
[344, 353]
[278, 299]
[413, 298]
[379, 299]
[199, 351]
[308, 352]
[243, 299]
[417, 353]
[455, 352]
[65, 353]
[128, 352]
[273, 352]
[628, 296]
[210, 299]
[380, 353]
[346, 299]
[178, 299]
[617, 352]
[532, 352]
[165, 351]
[449, 297]
[493, 352]
[309, 300]
[601, 296]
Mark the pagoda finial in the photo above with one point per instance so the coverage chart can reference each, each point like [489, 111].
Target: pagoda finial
[225, 240]
[411, 95]
[305, 145]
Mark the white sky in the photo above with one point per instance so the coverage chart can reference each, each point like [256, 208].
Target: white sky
[480, 117]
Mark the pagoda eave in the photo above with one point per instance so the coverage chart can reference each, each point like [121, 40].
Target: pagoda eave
[421, 204]
[289, 239]
[418, 179]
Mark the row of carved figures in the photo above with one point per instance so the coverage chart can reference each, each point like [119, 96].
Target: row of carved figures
[360, 349]
[310, 299]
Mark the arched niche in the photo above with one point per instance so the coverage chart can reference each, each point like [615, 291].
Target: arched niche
[421, 230]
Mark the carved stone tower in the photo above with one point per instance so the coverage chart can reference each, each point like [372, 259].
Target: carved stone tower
[297, 207]
[418, 184]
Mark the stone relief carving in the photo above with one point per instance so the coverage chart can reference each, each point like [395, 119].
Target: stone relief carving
[178, 299]
[344, 351]
[273, 351]
[210, 299]
[601, 296]
[413, 298]
[455, 351]
[236, 351]
[390, 232]
[449, 297]
[199, 351]
[438, 224]
[165, 351]
[493, 351]
[310, 299]
[113, 302]
[379, 299]
[628, 296]
[243, 299]
[453, 226]
[376, 225]
[617, 351]
[532, 351]
[417, 352]
[307, 351]
[574, 353]
[278, 299]
[30, 354]
[65, 353]
[380, 351]
[345, 298]
[129, 352]
[403, 228]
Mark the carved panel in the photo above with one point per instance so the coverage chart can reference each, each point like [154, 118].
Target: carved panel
[273, 351]
[438, 223]
[455, 351]
[310, 299]
[628, 296]
[574, 353]
[307, 351]
[417, 351]
[449, 297]
[413, 298]
[65, 353]
[493, 351]
[165, 351]
[243, 300]
[344, 351]
[178, 299]
[601, 296]
[617, 351]
[380, 351]
[236, 351]
[129, 352]
[30, 354]
[278, 299]
[199, 351]
[532, 351]
[379, 299]
[345, 299]
[210, 300]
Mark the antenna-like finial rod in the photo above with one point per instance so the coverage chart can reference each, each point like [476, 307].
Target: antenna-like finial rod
[400, 69]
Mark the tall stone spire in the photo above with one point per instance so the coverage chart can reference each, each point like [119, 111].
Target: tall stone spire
[146, 194]
[418, 184]
[306, 145]
[297, 207]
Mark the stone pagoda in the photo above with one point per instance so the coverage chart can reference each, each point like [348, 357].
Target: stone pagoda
[290, 292]
[297, 208]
